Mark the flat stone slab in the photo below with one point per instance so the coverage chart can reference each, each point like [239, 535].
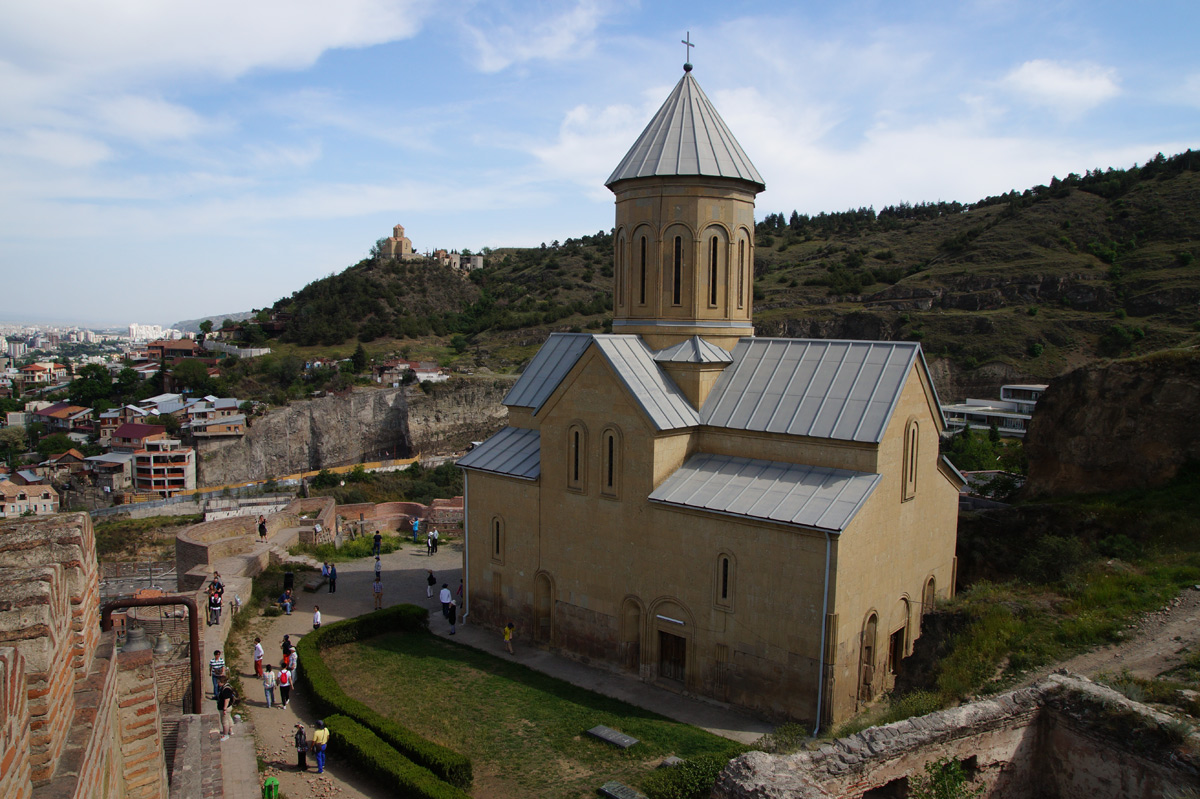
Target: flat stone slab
[617, 790]
[312, 584]
[670, 762]
[609, 735]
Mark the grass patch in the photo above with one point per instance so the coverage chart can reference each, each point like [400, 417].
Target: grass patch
[525, 731]
[125, 537]
[363, 547]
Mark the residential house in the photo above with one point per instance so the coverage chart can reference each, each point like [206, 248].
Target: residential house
[221, 427]
[17, 500]
[1010, 414]
[134, 436]
[170, 349]
[112, 471]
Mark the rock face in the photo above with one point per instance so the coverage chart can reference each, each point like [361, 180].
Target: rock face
[453, 414]
[1123, 425]
[367, 424]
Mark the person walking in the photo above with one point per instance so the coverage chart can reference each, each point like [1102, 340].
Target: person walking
[430, 582]
[377, 588]
[269, 681]
[452, 616]
[319, 740]
[317, 616]
[378, 567]
[429, 543]
[225, 699]
[459, 592]
[258, 657]
[333, 578]
[325, 571]
[301, 741]
[285, 685]
[214, 607]
[435, 540]
[444, 597]
[216, 670]
[508, 637]
[285, 645]
[262, 529]
[378, 543]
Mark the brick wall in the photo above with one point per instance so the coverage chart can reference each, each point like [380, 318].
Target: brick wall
[144, 771]
[14, 731]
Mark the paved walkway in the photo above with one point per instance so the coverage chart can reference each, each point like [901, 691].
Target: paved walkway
[404, 580]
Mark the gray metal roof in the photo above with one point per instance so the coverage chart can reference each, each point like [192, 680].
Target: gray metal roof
[809, 496]
[547, 369]
[658, 395]
[514, 451]
[111, 457]
[686, 137]
[694, 350]
[844, 390]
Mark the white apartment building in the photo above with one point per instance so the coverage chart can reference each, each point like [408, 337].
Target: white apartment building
[1010, 414]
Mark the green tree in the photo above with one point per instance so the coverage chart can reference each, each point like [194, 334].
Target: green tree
[127, 383]
[166, 420]
[92, 383]
[359, 358]
[206, 326]
[193, 374]
[12, 439]
[54, 444]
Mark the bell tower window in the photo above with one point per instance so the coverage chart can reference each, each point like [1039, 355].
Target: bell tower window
[642, 275]
[712, 271]
[677, 274]
[741, 287]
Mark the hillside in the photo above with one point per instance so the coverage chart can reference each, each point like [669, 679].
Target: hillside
[1022, 286]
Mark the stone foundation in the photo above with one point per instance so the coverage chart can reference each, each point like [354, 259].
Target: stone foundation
[1063, 738]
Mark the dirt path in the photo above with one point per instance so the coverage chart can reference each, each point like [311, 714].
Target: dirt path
[1159, 642]
[404, 581]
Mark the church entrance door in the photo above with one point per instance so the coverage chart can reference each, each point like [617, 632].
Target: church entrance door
[672, 655]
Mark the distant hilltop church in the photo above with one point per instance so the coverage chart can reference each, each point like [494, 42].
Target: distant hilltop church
[759, 521]
[398, 246]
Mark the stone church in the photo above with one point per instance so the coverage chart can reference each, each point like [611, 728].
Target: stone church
[760, 521]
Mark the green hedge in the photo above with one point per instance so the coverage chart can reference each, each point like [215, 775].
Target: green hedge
[353, 743]
[328, 698]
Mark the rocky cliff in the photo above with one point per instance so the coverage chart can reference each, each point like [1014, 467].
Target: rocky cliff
[1122, 425]
[366, 424]
[449, 416]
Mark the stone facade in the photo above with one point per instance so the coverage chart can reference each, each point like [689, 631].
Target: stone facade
[78, 720]
[795, 620]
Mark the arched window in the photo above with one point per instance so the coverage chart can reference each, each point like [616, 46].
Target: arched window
[677, 273]
[610, 479]
[497, 539]
[621, 271]
[642, 275]
[741, 281]
[911, 440]
[576, 458]
[713, 271]
[725, 581]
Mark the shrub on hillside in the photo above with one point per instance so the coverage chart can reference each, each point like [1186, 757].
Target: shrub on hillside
[692, 779]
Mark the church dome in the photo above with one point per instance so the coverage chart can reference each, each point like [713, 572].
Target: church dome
[686, 137]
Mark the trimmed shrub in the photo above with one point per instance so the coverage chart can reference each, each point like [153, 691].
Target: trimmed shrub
[355, 744]
[328, 698]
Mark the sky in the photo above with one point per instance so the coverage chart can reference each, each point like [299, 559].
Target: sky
[162, 161]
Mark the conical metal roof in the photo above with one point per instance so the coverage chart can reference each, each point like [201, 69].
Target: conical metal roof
[686, 137]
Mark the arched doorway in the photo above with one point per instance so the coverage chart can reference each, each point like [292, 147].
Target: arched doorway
[631, 634]
[866, 659]
[543, 608]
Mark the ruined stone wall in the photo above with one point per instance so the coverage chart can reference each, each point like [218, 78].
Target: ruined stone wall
[1063, 738]
[74, 723]
[314, 434]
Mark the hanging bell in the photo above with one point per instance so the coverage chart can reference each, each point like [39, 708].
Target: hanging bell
[164, 645]
[135, 640]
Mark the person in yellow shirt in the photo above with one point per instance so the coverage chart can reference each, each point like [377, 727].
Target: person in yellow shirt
[320, 738]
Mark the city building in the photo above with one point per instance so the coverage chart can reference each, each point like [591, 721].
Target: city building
[133, 436]
[164, 467]
[1010, 414]
[762, 522]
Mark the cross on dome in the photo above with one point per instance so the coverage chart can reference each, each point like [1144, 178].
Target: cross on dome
[687, 62]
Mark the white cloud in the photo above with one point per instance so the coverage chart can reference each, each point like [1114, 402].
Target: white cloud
[150, 119]
[501, 37]
[1069, 89]
[60, 148]
[149, 41]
